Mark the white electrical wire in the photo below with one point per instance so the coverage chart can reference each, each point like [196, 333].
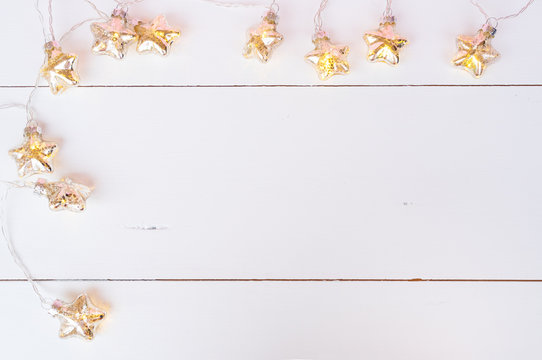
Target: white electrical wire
[318, 16]
[388, 11]
[45, 301]
[497, 19]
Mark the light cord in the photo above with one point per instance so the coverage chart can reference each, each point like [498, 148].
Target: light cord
[318, 16]
[45, 302]
[274, 7]
[98, 11]
[497, 19]
[42, 20]
[76, 26]
[26, 106]
[388, 12]
[126, 3]
[236, 4]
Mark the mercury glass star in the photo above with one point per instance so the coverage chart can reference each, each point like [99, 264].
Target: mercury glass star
[63, 194]
[59, 69]
[328, 59]
[264, 38]
[80, 318]
[384, 43]
[34, 156]
[113, 36]
[155, 36]
[475, 52]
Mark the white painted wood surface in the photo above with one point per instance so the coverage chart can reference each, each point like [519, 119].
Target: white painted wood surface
[252, 182]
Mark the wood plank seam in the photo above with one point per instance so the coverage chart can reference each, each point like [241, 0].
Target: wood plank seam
[285, 86]
[277, 280]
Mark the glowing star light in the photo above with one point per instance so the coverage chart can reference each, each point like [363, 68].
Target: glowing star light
[80, 318]
[113, 36]
[63, 194]
[475, 52]
[34, 156]
[384, 43]
[328, 59]
[59, 69]
[264, 38]
[156, 36]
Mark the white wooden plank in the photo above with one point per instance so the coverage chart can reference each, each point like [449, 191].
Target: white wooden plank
[323, 321]
[209, 51]
[295, 182]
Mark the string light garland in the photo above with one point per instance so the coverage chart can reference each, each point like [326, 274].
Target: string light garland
[475, 52]
[81, 317]
[384, 43]
[35, 156]
[327, 58]
[114, 36]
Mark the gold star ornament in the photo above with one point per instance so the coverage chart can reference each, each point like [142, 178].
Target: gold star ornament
[264, 38]
[384, 43]
[63, 194]
[156, 36]
[80, 318]
[59, 68]
[475, 52]
[328, 59]
[34, 156]
[112, 37]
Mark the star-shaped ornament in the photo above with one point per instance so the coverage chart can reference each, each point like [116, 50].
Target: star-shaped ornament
[328, 59]
[59, 68]
[34, 156]
[384, 43]
[63, 194]
[264, 38]
[156, 36]
[112, 37]
[80, 318]
[475, 52]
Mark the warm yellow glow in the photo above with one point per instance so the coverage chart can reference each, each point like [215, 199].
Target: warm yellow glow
[156, 36]
[475, 52]
[384, 44]
[328, 59]
[263, 39]
[59, 68]
[64, 194]
[112, 37]
[34, 156]
[80, 318]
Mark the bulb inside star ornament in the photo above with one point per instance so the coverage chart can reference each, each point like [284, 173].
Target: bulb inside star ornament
[384, 43]
[156, 36]
[113, 36]
[34, 156]
[475, 52]
[59, 68]
[79, 318]
[63, 194]
[264, 38]
[327, 58]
